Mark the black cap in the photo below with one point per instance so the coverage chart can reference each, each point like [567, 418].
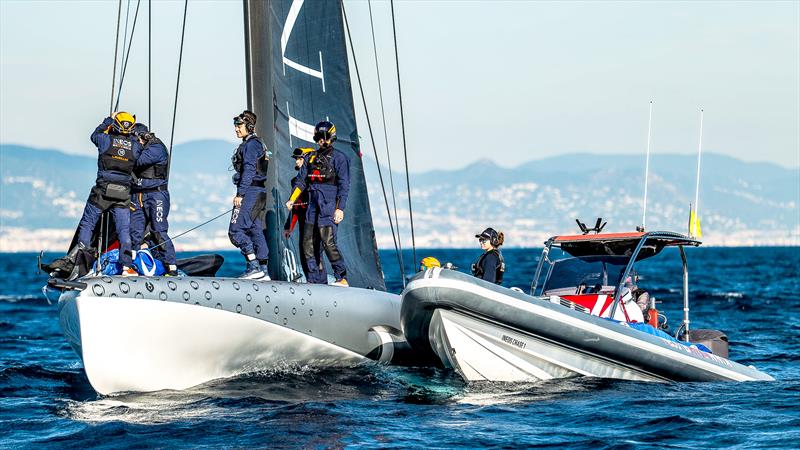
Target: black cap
[489, 234]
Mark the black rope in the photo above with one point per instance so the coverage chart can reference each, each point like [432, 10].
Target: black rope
[386, 142]
[125, 33]
[127, 54]
[191, 229]
[372, 138]
[104, 216]
[116, 51]
[177, 86]
[403, 127]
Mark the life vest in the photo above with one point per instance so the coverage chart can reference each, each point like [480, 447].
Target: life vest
[320, 168]
[478, 269]
[119, 155]
[157, 171]
[238, 157]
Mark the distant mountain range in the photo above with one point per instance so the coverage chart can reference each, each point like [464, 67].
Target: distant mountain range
[42, 193]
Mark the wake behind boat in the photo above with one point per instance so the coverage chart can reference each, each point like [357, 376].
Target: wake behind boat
[588, 319]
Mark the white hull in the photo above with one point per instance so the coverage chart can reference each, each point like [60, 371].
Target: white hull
[141, 345]
[482, 351]
[147, 334]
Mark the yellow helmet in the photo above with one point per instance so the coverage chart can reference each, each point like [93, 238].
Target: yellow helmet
[123, 122]
[428, 262]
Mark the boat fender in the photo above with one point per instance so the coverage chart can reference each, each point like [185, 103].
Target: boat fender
[385, 350]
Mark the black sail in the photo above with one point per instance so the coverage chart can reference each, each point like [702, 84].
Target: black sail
[297, 75]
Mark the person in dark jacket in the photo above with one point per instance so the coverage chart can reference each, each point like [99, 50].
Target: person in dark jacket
[326, 176]
[246, 229]
[150, 202]
[490, 266]
[297, 217]
[118, 151]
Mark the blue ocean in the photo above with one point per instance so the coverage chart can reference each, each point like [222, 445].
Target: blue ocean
[752, 294]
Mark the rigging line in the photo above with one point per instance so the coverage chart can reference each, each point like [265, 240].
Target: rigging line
[192, 229]
[125, 34]
[386, 141]
[372, 138]
[403, 127]
[177, 86]
[127, 54]
[116, 51]
[104, 216]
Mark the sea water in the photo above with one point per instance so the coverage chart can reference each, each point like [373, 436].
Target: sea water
[749, 293]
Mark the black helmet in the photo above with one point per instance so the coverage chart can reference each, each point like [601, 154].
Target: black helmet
[248, 118]
[325, 131]
[139, 129]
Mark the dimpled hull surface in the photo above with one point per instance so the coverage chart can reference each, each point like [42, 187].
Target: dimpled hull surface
[148, 334]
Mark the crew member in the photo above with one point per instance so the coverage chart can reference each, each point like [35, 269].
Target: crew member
[326, 176]
[150, 201]
[490, 266]
[297, 216]
[118, 151]
[246, 229]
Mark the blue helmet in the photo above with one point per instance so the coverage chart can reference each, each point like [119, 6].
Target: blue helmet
[325, 131]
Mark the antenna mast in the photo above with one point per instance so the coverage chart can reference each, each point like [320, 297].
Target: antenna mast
[647, 166]
[699, 152]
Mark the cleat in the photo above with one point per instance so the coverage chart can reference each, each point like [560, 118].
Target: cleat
[252, 272]
[128, 272]
[342, 283]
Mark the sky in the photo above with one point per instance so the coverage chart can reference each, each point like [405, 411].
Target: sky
[511, 81]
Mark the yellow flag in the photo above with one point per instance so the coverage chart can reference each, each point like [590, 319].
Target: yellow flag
[694, 225]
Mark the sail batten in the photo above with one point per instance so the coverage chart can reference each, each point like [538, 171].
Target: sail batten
[298, 74]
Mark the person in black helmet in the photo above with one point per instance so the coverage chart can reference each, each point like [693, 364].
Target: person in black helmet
[246, 229]
[490, 266]
[150, 203]
[326, 175]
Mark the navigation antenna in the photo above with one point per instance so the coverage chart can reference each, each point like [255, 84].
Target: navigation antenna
[597, 226]
[646, 168]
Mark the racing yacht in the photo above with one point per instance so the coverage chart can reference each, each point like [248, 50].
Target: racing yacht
[151, 333]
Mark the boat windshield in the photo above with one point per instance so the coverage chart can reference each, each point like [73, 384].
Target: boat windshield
[594, 273]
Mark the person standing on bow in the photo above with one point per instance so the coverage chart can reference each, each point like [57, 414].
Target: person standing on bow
[118, 151]
[150, 202]
[490, 266]
[326, 175]
[246, 229]
[297, 217]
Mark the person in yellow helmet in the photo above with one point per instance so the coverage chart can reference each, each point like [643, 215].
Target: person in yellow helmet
[118, 151]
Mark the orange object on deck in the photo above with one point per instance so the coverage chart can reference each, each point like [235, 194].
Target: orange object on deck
[652, 317]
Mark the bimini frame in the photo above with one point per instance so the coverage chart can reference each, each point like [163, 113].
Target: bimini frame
[613, 244]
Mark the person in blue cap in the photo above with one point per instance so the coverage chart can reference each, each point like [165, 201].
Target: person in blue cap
[246, 229]
[150, 202]
[326, 175]
[118, 151]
